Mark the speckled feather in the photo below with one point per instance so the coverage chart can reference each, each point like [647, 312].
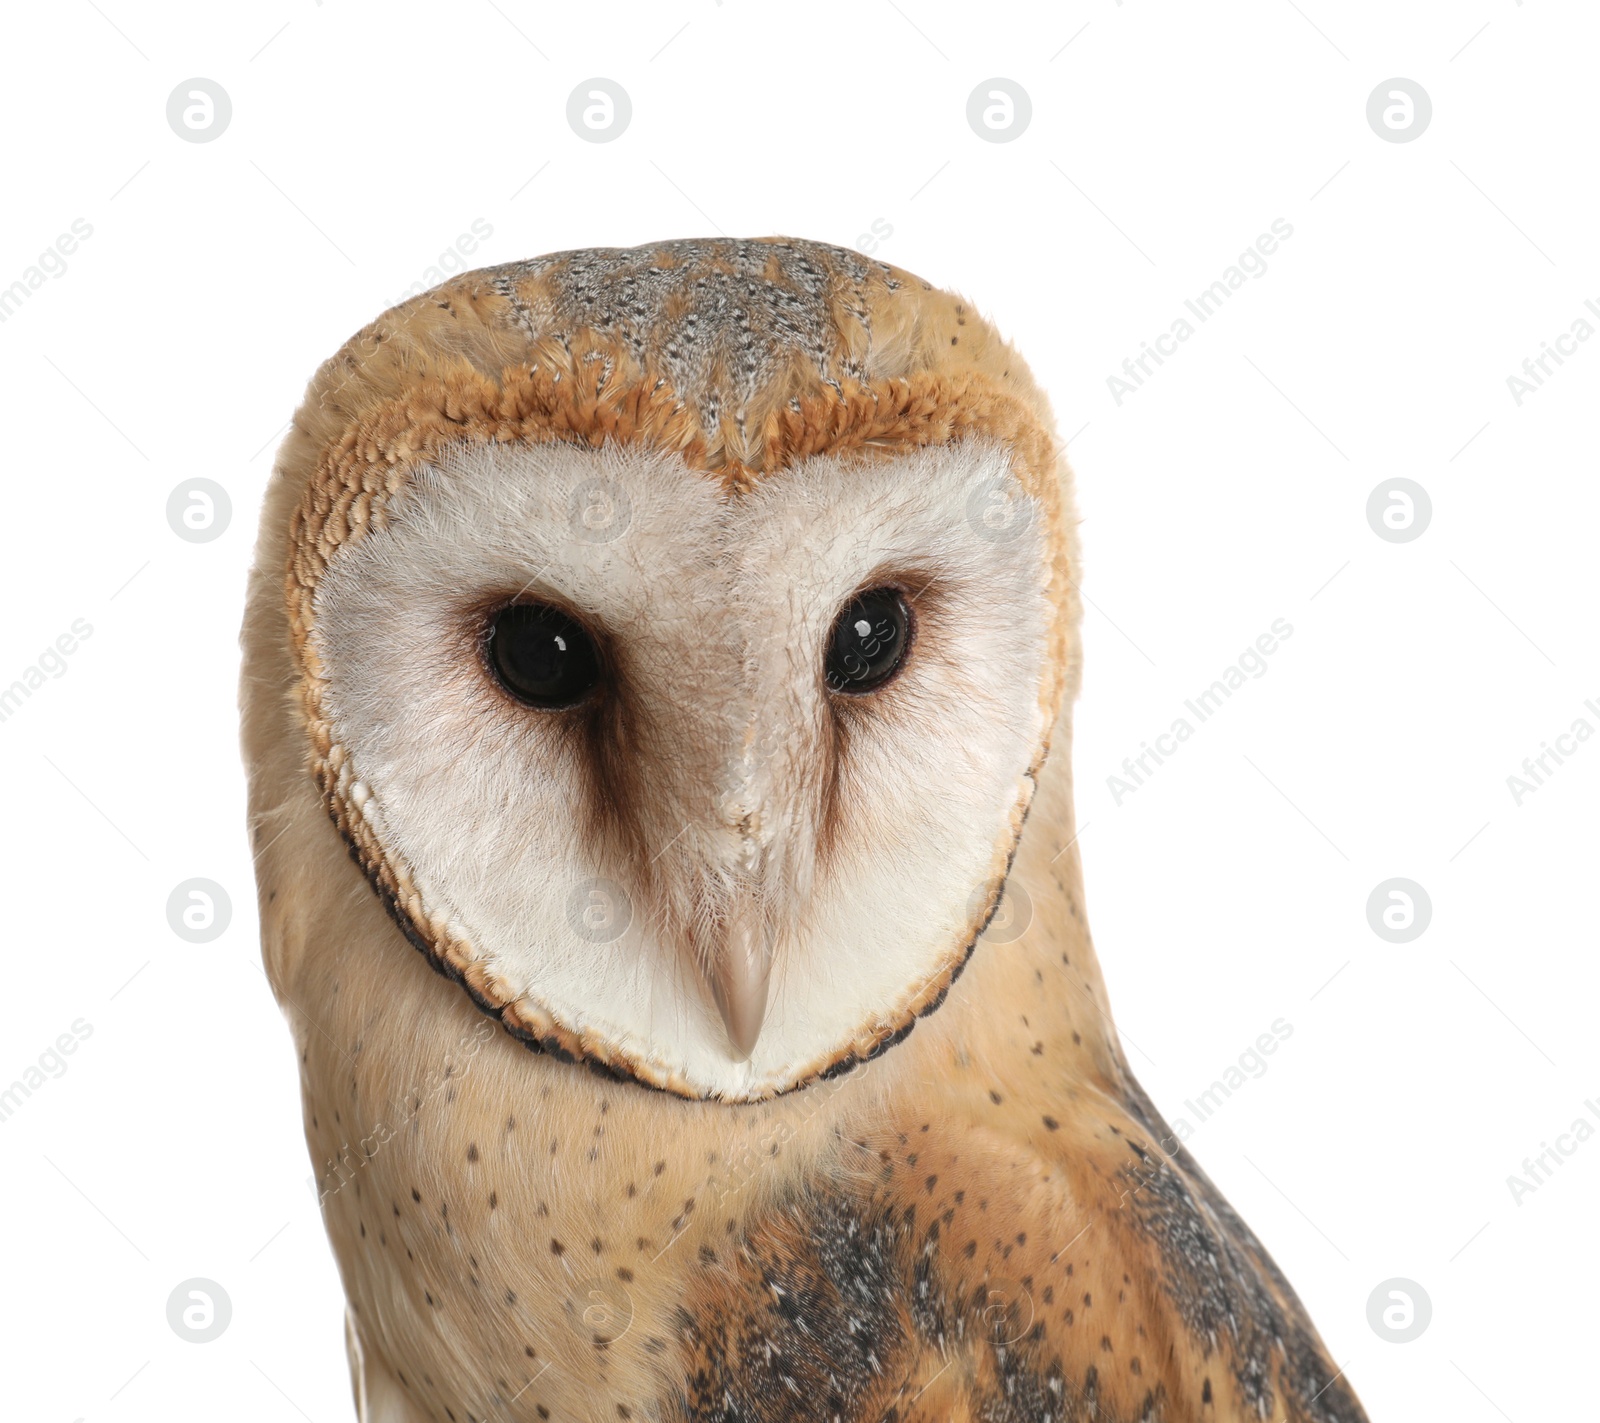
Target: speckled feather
[989, 1221]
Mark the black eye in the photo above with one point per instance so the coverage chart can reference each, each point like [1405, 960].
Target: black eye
[868, 643]
[541, 656]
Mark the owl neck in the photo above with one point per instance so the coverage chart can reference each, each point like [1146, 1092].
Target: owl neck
[1041, 993]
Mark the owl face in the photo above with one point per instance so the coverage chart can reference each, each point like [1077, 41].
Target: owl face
[715, 787]
[677, 632]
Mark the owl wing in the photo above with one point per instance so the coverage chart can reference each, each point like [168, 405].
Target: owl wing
[947, 1271]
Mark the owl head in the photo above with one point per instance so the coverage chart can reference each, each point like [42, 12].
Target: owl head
[676, 635]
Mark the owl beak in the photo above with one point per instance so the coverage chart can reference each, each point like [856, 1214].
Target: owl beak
[738, 979]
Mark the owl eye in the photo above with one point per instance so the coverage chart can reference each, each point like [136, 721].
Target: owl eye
[868, 642]
[541, 656]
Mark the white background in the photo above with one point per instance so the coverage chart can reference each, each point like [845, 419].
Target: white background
[1227, 892]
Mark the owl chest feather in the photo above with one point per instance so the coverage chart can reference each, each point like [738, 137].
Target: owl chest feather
[926, 1238]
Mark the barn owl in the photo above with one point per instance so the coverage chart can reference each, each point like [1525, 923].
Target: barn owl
[658, 670]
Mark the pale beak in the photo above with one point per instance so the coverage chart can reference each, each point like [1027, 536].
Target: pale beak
[738, 978]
